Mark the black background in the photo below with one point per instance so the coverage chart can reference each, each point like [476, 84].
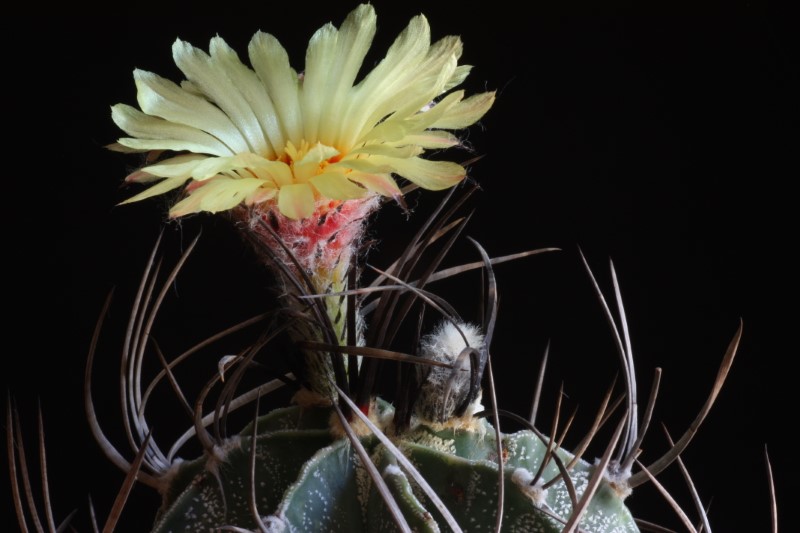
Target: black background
[665, 143]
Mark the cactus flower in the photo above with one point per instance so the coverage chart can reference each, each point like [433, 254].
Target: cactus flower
[301, 144]
[300, 160]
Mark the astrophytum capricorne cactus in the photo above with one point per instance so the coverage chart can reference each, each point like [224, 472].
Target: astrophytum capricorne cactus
[299, 162]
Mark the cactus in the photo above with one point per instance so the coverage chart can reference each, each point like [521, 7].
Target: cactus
[312, 482]
[300, 190]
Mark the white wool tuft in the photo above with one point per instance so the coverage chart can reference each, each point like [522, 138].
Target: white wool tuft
[444, 389]
[447, 342]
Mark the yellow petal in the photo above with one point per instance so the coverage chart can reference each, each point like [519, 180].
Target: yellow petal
[371, 101]
[162, 98]
[387, 131]
[179, 136]
[212, 80]
[296, 201]
[422, 82]
[387, 150]
[426, 119]
[137, 176]
[309, 165]
[117, 147]
[336, 186]
[432, 175]
[430, 77]
[212, 166]
[434, 139]
[271, 63]
[192, 88]
[458, 77]
[352, 44]
[146, 145]
[321, 53]
[262, 194]
[319, 153]
[382, 184]
[218, 194]
[181, 166]
[278, 171]
[159, 188]
[370, 166]
[253, 91]
[467, 112]
[427, 89]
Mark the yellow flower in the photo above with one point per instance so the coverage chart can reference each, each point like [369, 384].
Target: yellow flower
[270, 136]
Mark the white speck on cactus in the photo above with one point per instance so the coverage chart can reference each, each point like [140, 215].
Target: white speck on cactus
[392, 470]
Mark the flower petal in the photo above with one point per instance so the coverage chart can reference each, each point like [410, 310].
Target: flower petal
[181, 166]
[430, 77]
[310, 163]
[467, 112]
[162, 98]
[382, 184]
[208, 167]
[419, 122]
[253, 91]
[179, 136]
[426, 119]
[352, 44]
[146, 145]
[159, 188]
[278, 171]
[215, 165]
[296, 200]
[386, 131]
[117, 147]
[336, 186]
[318, 153]
[262, 194]
[205, 73]
[370, 166]
[458, 77]
[434, 139]
[321, 53]
[423, 83]
[218, 194]
[404, 151]
[368, 101]
[431, 175]
[271, 63]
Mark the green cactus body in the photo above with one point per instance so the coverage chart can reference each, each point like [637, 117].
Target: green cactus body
[305, 480]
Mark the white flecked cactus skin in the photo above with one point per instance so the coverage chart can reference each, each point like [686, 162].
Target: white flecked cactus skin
[307, 481]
